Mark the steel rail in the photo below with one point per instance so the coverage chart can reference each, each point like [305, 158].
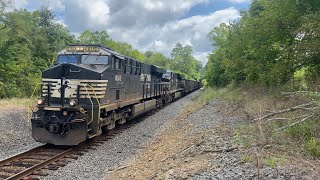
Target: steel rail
[36, 166]
[40, 165]
[21, 155]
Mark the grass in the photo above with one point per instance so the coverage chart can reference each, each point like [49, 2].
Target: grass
[245, 158]
[14, 103]
[210, 93]
[301, 140]
[271, 162]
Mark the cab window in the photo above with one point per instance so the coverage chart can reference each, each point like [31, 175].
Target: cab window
[70, 58]
[94, 59]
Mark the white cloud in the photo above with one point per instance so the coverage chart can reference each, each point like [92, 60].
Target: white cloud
[20, 3]
[192, 31]
[202, 55]
[57, 5]
[147, 24]
[239, 1]
[92, 15]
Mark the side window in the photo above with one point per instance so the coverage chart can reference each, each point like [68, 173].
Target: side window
[128, 67]
[131, 66]
[125, 66]
[113, 62]
[140, 72]
[120, 64]
[116, 63]
[138, 68]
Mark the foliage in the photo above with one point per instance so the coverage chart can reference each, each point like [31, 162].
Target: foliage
[268, 45]
[307, 133]
[184, 63]
[30, 42]
[157, 59]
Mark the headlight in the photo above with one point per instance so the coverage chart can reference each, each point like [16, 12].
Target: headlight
[72, 103]
[40, 102]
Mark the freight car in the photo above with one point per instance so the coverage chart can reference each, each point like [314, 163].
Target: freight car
[92, 88]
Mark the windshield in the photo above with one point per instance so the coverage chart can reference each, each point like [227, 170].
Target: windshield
[68, 59]
[94, 59]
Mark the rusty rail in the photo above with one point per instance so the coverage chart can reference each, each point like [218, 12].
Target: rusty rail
[25, 164]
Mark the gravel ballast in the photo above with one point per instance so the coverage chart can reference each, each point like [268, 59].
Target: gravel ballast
[15, 131]
[121, 148]
[205, 149]
[204, 133]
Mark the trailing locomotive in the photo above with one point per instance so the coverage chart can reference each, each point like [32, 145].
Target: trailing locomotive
[92, 88]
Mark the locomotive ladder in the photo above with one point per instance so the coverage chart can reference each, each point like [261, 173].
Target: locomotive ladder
[89, 129]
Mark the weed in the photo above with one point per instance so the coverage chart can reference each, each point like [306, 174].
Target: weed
[245, 158]
[252, 103]
[312, 147]
[271, 162]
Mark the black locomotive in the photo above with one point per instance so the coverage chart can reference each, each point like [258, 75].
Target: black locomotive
[92, 88]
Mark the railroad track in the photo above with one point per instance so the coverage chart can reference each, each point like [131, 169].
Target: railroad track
[31, 162]
[34, 163]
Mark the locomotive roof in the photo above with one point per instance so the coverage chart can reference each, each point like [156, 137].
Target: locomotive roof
[92, 49]
[99, 49]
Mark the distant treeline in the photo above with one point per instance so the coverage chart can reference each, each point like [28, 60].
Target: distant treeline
[30, 41]
[275, 43]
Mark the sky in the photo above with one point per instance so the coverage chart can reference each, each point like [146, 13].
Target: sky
[155, 25]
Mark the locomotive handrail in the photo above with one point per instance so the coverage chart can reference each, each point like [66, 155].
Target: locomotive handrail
[86, 89]
[29, 102]
[97, 102]
[90, 101]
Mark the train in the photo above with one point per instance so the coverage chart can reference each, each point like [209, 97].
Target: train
[92, 88]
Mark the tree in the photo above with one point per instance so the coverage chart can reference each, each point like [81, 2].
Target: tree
[29, 44]
[157, 59]
[96, 38]
[184, 63]
[3, 5]
[271, 41]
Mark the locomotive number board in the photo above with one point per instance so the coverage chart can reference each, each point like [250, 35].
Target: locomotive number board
[82, 49]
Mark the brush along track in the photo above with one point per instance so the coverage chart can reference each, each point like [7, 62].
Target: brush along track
[34, 163]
